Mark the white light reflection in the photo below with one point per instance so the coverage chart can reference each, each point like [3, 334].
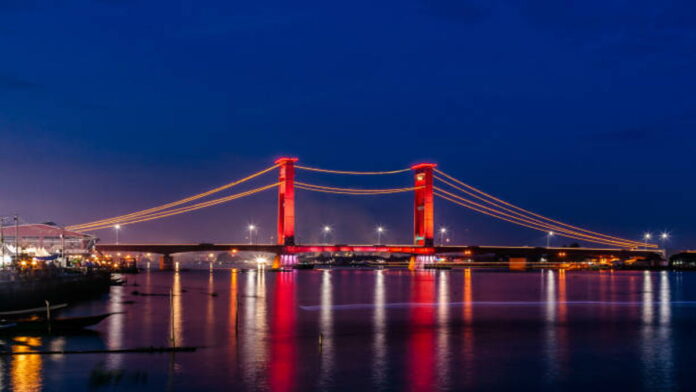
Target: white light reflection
[115, 328]
[656, 341]
[379, 345]
[253, 330]
[550, 342]
[210, 310]
[443, 348]
[177, 311]
[326, 330]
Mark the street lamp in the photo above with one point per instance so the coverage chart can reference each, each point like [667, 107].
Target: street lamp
[117, 228]
[646, 238]
[663, 239]
[326, 230]
[380, 230]
[548, 238]
[443, 231]
[251, 233]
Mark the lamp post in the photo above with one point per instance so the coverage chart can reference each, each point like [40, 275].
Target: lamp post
[118, 229]
[380, 230]
[326, 230]
[251, 234]
[443, 231]
[646, 238]
[548, 238]
[663, 240]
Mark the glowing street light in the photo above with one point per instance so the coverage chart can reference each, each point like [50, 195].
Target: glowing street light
[548, 238]
[443, 232]
[380, 230]
[251, 233]
[663, 239]
[117, 227]
[646, 238]
[326, 230]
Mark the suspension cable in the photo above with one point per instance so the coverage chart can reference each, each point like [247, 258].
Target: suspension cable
[518, 221]
[551, 226]
[365, 173]
[384, 192]
[117, 219]
[181, 210]
[478, 191]
[536, 223]
[354, 190]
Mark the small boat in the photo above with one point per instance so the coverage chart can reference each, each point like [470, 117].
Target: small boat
[27, 312]
[55, 324]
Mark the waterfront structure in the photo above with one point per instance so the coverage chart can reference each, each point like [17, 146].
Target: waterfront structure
[44, 241]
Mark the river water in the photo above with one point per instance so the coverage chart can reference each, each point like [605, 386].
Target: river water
[368, 330]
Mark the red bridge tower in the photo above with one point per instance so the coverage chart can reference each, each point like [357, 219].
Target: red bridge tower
[286, 201]
[424, 221]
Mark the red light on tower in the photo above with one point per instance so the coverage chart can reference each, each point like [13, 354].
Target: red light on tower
[286, 201]
[424, 221]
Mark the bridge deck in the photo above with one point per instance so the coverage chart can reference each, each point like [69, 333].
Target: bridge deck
[402, 249]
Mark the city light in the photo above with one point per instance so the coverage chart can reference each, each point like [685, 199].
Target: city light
[326, 230]
[548, 238]
[443, 232]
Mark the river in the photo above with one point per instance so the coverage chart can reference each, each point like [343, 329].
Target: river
[373, 330]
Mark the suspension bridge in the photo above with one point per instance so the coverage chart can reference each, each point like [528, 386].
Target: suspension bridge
[428, 183]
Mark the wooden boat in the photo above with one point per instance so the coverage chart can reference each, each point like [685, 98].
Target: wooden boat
[55, 324]
[27, 312]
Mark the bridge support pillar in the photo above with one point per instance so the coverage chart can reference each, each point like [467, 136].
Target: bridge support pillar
[284, 261]
[286, 201]
[423, 213]
[421, 261]
[166, 262]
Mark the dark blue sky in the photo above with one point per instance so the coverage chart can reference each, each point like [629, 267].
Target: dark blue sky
[583, 110]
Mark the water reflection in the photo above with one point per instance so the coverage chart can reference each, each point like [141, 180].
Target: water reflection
[398, 330]
[421, 361]
[26, 369]
[116, 326]
[555, 332]
[177, 316]
[379, 334]
[210, 310]
[282, 366]
[656, 340]
[468, 338]
[253, 330]
[326, 330]
[443, 345]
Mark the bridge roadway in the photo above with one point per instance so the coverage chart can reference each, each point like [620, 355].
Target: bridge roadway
[498, 252]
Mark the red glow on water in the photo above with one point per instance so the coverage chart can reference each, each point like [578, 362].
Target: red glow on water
[421, 345]
[283, 357]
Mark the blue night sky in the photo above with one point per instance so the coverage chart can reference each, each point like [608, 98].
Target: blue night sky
[580, 110]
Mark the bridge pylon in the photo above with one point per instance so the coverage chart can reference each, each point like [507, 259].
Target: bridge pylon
[286, 201]
[423, 209]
